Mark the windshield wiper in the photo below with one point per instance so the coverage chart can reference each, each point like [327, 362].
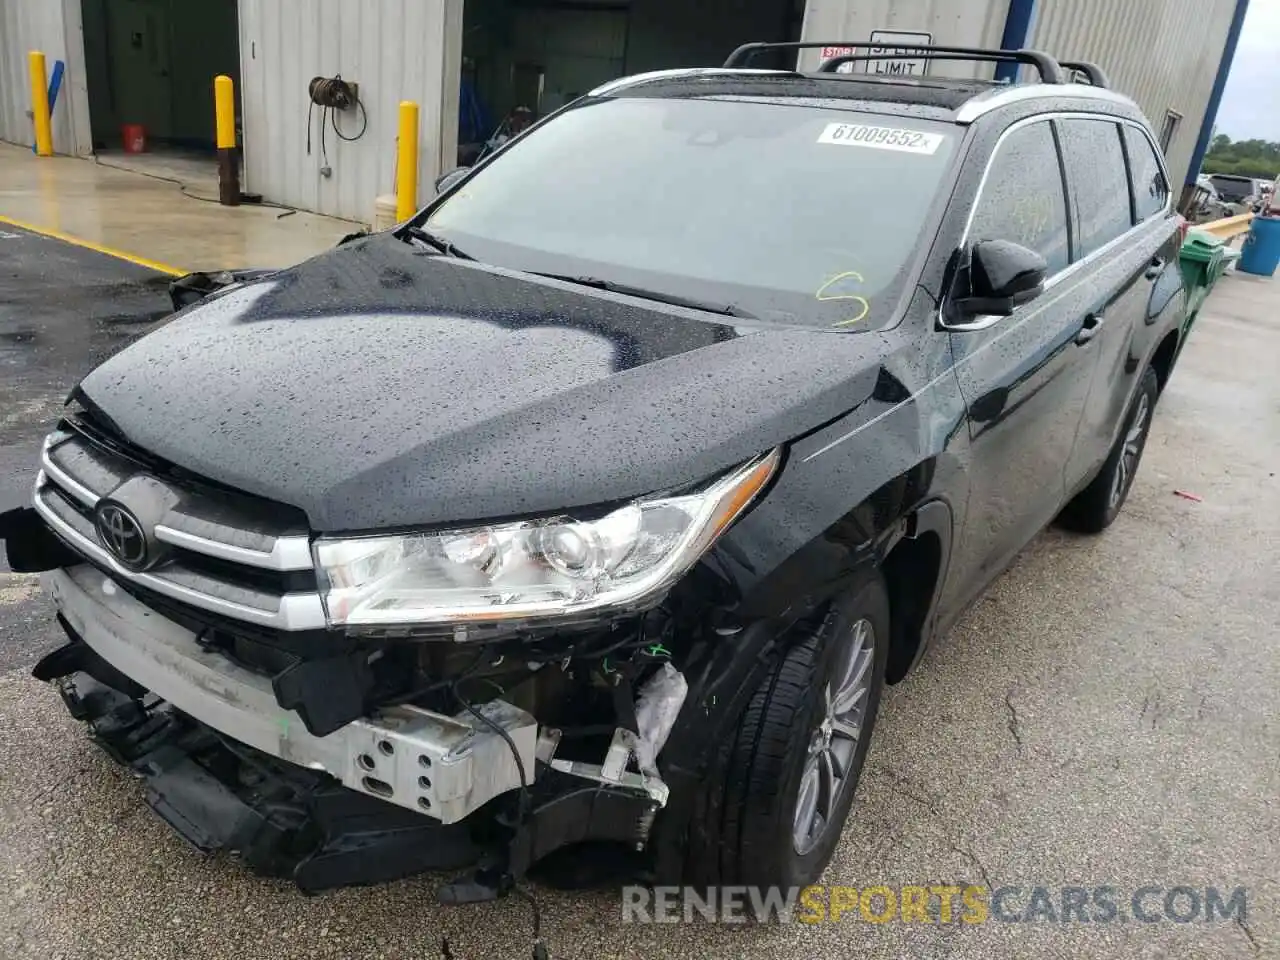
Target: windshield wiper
[446, 247]
[707, 306]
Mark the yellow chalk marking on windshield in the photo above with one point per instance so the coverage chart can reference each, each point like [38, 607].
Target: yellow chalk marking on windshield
[824, 295]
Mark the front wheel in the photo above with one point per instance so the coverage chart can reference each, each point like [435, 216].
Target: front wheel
[1097, 505]
[788, 776]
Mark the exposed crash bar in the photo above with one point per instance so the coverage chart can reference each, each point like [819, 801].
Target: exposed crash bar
[444, 767]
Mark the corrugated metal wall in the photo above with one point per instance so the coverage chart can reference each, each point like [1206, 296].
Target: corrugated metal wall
[962, 23]
[394, 49]
[53, 27]
[1163, 53]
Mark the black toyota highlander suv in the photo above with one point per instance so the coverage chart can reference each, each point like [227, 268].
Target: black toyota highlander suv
[599, 501]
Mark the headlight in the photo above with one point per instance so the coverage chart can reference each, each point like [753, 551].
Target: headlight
[531, 569]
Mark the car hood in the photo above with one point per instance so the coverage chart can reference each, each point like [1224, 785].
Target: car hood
[378, 385]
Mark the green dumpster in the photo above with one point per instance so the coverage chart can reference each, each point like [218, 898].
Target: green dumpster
[1202, 259]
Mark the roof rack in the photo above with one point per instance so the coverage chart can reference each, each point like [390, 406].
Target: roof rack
[1092, 72]
[1050, 70]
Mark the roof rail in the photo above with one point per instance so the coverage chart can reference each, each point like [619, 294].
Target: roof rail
[1092, 72]
[1050, 71]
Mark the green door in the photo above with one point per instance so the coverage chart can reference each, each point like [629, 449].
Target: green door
[138, 58]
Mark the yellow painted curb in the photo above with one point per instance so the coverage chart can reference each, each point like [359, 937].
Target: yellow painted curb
[96, 247]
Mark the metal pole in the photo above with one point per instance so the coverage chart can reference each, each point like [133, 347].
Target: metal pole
[407, 162]
[40, 104]
[1215, 98]
[1017, 26]
[224, 108]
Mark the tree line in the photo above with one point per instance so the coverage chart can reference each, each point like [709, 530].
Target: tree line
[1247, 158]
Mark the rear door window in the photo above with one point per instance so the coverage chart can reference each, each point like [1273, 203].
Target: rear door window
[1150, 188]
[1022, 196]
[1098, 181]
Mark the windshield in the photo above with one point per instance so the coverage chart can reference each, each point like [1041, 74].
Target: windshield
[788, 213]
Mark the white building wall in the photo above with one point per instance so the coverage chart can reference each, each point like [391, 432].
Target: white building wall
[1163, 53]
[394, 49]
[53, 27]
[956, 23]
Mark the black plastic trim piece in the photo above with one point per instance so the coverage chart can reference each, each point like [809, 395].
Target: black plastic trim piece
[578, 812]
[1093, 73]
[30, 546]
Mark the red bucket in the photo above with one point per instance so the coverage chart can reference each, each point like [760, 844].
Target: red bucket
[134, 136]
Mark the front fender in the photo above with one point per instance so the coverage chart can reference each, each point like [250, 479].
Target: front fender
[843, 498]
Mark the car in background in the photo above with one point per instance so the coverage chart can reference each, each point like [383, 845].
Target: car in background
[1233, 189]
[1205, 204]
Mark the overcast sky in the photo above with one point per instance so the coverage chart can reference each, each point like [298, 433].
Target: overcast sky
[1248, 108]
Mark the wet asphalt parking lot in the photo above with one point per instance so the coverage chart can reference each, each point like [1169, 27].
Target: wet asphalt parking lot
[1108, 715]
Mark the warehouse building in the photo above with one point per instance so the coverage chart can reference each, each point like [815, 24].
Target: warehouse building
[469, 63]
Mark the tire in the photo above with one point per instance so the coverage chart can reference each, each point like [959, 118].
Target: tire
[1096, 506]
[749, 809]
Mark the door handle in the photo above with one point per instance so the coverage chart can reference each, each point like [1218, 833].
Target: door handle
[1155, 268]
[1089, 329]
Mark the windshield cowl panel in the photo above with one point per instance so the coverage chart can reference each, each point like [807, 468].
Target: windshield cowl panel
[803, 215]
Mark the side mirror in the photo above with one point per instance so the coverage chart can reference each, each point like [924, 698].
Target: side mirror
[446, 181]
[1002, 277]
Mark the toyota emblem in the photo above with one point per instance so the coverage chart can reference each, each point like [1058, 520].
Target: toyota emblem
[121, 534]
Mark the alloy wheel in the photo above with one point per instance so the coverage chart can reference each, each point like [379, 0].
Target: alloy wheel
[829, 761]
[1127, 464]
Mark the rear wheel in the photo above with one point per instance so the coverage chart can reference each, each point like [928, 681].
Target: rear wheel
[786, 781]
[1097, 505]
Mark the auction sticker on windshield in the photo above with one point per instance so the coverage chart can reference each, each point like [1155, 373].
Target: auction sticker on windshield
[881, 138]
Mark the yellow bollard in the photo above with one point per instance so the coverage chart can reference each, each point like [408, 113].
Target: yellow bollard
[407, 162]
[224, 112]
[224, 109]
[40, 104]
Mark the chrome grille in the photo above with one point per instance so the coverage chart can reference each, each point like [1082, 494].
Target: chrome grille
[223, 553]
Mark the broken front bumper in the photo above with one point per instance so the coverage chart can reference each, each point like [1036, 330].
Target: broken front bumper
[443, 767]
[387, 796]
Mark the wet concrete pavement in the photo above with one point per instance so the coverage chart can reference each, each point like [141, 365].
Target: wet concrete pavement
[152, 218]
[1109, 714]
[63, 310]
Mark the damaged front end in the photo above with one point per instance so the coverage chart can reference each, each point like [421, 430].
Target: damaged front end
[191, 288]
[455, 773]
[352, 710]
